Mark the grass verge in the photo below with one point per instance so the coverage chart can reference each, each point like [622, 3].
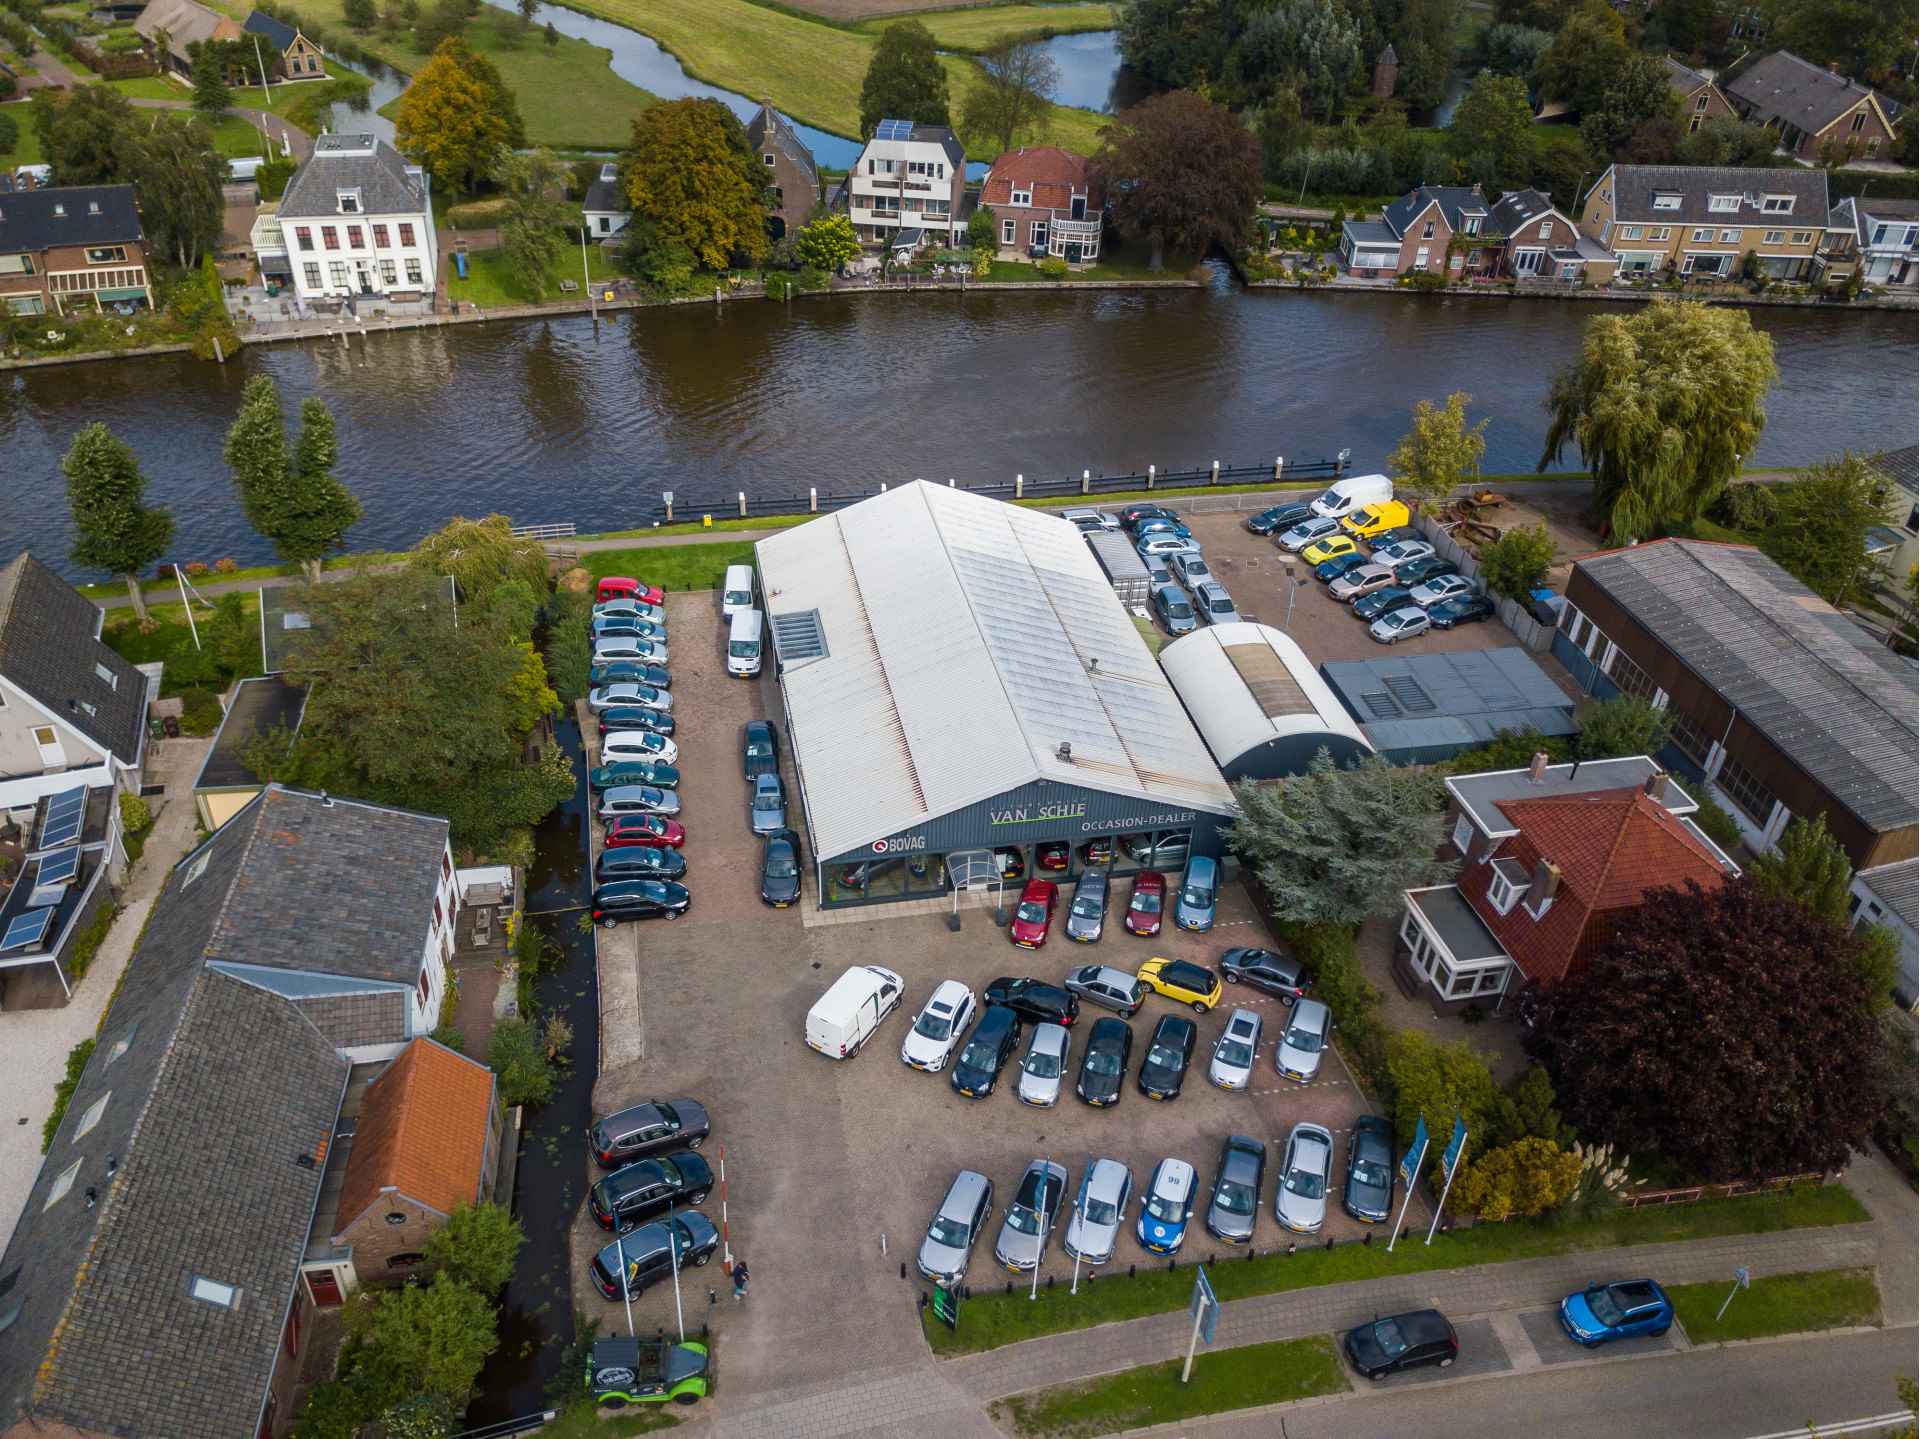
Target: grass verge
[980, 27]
[1781, 1304]
[672, 567]
[1223, 1380]
[990, 1320]
[583, 1421]
[1117, 262]
[491, 280]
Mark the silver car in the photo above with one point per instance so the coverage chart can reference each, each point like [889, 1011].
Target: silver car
[1235, 1207]
[956, 1225]
[1400, 624]
[1300, 1200]
[1044, 1068]
[1305, 533]
[1087, 915]
[1166, 545]
[1214, 604]
[1401, 552]
[1099, 1212]
[1110, 988]
[1190, 569]
[1303, 1041]
[767, 806]
[638, 799]
[1440, 587]
[1234, 1052]
[628, 692]
[1033, 1215]
[1361, 581]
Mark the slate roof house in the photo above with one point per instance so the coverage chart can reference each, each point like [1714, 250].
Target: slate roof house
[1539, 243]
[172, 28]
[1045, 198]
[605, 207]
[1899, 466]
[793, 181]
[1880, 237]
[1700, 99]
[1416, 233]
[1821, 116]
[1781, 704]
[294, 56]
[357, 223]
[71, 246]
[1704, 220]
[1552, 856]
[162, 1278]
[1889, 895]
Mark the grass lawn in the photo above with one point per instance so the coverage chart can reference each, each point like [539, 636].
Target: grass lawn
[672, 567]
[1783, 1304]
[151, 87]
[991, 1320]
[1117, 262]
[26, 150]
[584, 1421]
[171, 639]
[1222, 1380]
[977, 28]
[490, 282]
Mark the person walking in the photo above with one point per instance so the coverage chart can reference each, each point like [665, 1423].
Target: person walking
[739, 1279]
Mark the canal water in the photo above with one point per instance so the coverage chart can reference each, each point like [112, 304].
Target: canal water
[552, 420]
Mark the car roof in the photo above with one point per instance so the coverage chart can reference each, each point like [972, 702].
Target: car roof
[1172, 1023]
[1178, 970]
[998, 1016]
[1311, 1010]
[1319, 1134]
[1038, 889]
[1106, 973]
[1173, 1174]
[1242, 1144]
[1106, 1177]
[1422, 1326]
[965, 1191]
[1049, 1037]
[653, 888]
[949, 992]
[1108, 1028]
[1247, 1017]
[1151, 878]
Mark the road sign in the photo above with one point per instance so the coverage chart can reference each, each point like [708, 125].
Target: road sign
[1417, 1151]
[946, 1306]
[1744, 1276]
[1204, 1306]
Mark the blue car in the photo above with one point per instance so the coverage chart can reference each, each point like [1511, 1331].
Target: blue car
[1198, 891]
[1625, 1309]
[1167, 1206]
[1159, 525]
[1327, 571]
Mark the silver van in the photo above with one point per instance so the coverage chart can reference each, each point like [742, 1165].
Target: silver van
[956, 1225]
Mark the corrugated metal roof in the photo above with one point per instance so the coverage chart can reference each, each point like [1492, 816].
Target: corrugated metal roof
[1245, 684]
[1898, 886]
[968, 640]
[1422, 702]
[1835, 703]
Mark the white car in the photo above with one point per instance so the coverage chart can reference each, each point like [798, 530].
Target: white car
[1091, 521]
[1099, 1212]
[624, 744]
[938, 1027]
[1235, 1051]
[1165, 544]
[1440, 587]
[1401, 552]
[1399, 625]
[631, 610]
[1043, 1070]
[1306, 532]
[1300, 1200]
[628, 692]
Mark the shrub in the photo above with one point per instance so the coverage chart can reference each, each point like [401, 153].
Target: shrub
[1745, 506]
[450, 1036]
[1621, 726]
[1510, 749]
[9, 128]
[1718, 825]
[200, 712]
[1518, 561]
[1525, 1178]
[1327, 953]
[1053, 267]
[569, 649]
[518, 1056]
[86, 944]
[272, 178]
[477, 1246]
[135, 813]
[1443, 1082]
[1421, 280]
[77, 1059]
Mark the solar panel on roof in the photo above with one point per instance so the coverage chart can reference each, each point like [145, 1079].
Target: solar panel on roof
[71, 801]
[59, 867]
[894, 130]
[27, 929]
[59, 832]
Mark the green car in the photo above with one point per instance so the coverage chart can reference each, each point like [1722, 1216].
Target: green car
[634, 771]
[623, 1371]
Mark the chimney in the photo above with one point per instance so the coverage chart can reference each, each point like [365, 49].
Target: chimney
[1537, 771]
[1656, 784]
[1064, 753]
[1546, 884]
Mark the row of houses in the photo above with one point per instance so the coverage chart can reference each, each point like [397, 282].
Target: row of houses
[174, 29]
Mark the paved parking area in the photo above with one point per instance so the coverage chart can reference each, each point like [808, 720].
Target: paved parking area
[1481, 1353]
[1550, 1342]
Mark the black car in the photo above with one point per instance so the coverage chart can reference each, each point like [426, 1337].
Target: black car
[1265, 969]
[1034, 1000]
[1103, 1068]
[625, 1197]
[780, 869]
[1368, 1195]
[1280, 517]
[987, 1049]
[639, 899]
[1460, 610]
[1418, 572]
[628, 1134]
[1404, 1341]
[1164, 1069]
[1394, 597]
[632, 717]
[1394, 536]
[638, 672]
[647, 1257]
[760, 744]
[1131, 515]
[639, 862]
[1327, 571]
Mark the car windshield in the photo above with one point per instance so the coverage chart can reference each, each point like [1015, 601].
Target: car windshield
[739, 597]
[1162, 1206]
[670, 1172]
[1370, 1172]
[1195, 897]
[1391, 1341]
[1030, 912]
[1601, 1302]
[1307, 1041]
[1232, 1197]
[1100, 1211]
[1305, 1184]
[1235, 1054]
[1042, 1065]
[1220, 605]
[1163, 1056]
[1103, 1061]
[978, 1056]
[1086, 907]
[1146, 901]
[1022, 1219]
[766, 801]
[950, 1232]
[1180, 610]
[743, 649]
[780, 864]
[934, 1026]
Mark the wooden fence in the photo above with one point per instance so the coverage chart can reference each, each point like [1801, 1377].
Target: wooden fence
[1644, 1198]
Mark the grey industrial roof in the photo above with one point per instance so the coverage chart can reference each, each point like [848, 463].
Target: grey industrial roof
[1838, 705]
[1634, 187]
[258, 705]
[1248, 685]
[1900, 466]
[48, 649]
[1898, 887]
[1782, 86]
[770, 121]
[1467, 697]
[1453, 200]
[1463, 932]
[1480, 795]
[350, 162]
[33, 220]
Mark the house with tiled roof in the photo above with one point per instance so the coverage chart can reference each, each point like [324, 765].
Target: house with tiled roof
[786, 168]
[1417, 234]
[1700, 99]
[1551, 857]
[1707, 221]
[1045, 202]
[174, 29]
[295, 57]
[1534, 241]
[1821, 116]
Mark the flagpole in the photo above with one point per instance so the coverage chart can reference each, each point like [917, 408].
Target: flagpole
[1046, 1175]
[1445, 1190]
[673, 1258]
[626, 1286]
[1408, 1199]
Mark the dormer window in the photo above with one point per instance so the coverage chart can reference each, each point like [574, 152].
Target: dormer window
[1023, 197]
[349, 201]
[609, 172]
[1507, 883]
[59, 212]
[1724, 204]
[1666, 199]
[93, 207]
[1472, 225]
[1777, 205]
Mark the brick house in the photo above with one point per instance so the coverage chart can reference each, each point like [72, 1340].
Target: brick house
[1704, 220]
[1045, 197]
[1536, 242]
[1700, 99]
[1417, 234]
[72, 245]
[1551, 857]
[1820, 116]
[793, 180]
[293, 55]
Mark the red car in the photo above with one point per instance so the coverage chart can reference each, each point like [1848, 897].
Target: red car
[1052, 855]
[1099, 851]
[645, 829]
[619, 587]
[1034, 916]
[1148, 899]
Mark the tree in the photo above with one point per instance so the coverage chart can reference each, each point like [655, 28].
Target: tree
[656, 260]
[1727, 143]
[1589, 50]
[1867, 39]
[1493, 128]
[689, 170]
[905, 79]
[1509, 49]
[1820, 524]
[1441, 1082]
[1337, 846]
[429, 1338]
[1013, 94]
[1636, 96]
[1516, 563]
[1807, 867]
[829, 242]
[210, 94]
[447, 20]
[114, 530]
[1524, 1179]
[477, 1246]
[456, 116]
[517, 1055]
[1309, 46]
[1183, 172]
[527, 9]
[299, 506]
[483, 556]
[9, 134]
[1282, 127]
[180, 176]
[1181, 44]
[360, 15]
[536, 210]
[1621, 726]
[1440, 453]
[419, 1416]
[1723, 1031]
[1424, 41]
[550, 35]
[1527, 1111]
[1663, 405]
[82, 133]
[983, 235]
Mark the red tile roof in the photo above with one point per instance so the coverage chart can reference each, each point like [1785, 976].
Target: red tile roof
[1611, 847]
[423, 1132]
[1052, 173]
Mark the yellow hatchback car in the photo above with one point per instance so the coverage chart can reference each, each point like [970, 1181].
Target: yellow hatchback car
[1189, 984]
[1331, 548]
[1377, 519]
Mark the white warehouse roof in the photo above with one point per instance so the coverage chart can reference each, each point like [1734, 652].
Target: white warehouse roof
[1258, 700]
[965, 641]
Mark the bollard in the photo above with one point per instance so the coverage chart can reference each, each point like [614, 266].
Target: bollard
[813, 500]
[1291, 1246]
[1019, 486]
[1329, 1241]
[949, 481]
[1086, 479]
[1216, 472]
[883, 487]
[1249, 1254]
[743, 503]
[1008, 1289]
[1049, 1281]
[903, 1269]
[716, 294]
[923, 1299]
[1149, 476]
[1279, 464]
[1129, 1271]
[1172, 1264]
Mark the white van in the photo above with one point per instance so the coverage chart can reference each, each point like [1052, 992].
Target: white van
[743, 644]
[845, 1017]
[245, 167]
[1343, 497]
[736, 591]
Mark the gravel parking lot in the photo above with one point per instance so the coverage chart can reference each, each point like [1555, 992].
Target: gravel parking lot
[828, 1161]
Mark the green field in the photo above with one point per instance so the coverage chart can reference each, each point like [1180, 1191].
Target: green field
[1223, 1380]
[490, 282]
[158, 87]
[1782, 1304]
[672, 567]
[26, 150]
[978, 28]
[1117, 262]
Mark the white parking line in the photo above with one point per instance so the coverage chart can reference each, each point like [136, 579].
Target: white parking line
[1851, 1426]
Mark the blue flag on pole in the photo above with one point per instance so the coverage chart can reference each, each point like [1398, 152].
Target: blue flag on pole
[1417, 1151]
[1454, 1146]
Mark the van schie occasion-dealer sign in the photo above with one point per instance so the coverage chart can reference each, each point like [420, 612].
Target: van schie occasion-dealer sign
[1032, 814]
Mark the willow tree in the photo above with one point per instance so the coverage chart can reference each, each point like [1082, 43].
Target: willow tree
[1663, 405]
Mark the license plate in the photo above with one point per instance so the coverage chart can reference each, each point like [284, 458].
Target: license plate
[968, 1093]
[1154, 1094]
[1026, 944]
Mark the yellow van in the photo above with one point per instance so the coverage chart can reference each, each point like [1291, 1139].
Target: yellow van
[1376, 519]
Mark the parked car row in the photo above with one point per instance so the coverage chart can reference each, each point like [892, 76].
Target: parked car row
[655, 1174]
[1195, 903]
[1182, 588]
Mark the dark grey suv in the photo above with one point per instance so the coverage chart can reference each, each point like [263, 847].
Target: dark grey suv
[1266, 969]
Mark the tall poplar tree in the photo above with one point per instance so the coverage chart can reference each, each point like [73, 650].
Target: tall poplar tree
[299, 505]
[117, 533]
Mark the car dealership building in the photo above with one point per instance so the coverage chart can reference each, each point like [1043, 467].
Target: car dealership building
[965, 695]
